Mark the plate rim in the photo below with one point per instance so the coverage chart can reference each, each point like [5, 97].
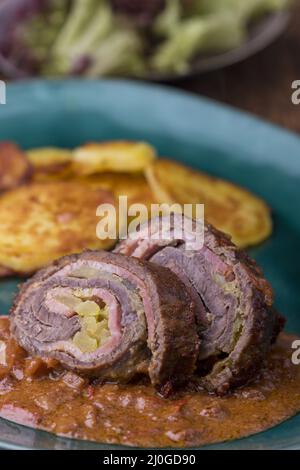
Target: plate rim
[272, 137]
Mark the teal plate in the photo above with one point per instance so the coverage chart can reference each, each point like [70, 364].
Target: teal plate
[199, 132]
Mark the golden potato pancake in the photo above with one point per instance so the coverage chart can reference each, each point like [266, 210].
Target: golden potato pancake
[228, 207]
[50, 163]
[14, 166]
[134, 186]
[40, 222]
[117, 156]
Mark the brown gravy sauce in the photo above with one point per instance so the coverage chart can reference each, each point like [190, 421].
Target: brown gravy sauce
[41, 395]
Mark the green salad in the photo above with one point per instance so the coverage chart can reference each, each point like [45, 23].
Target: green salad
[131, 37]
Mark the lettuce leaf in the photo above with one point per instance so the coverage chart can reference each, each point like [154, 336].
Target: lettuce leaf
[219, 32]
[119, 53]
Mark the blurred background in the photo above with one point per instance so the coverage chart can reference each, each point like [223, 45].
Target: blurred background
[241, 52]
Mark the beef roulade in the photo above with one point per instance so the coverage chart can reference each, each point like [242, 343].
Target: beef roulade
[109, 316]
[235, 318]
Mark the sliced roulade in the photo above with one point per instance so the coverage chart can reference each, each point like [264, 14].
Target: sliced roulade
[235, 319]
[109, 316]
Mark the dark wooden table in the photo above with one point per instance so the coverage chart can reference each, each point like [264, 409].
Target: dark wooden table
[261, 84]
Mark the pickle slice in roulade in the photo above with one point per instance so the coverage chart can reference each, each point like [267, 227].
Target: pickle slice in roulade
[235, 319]
[111, 317]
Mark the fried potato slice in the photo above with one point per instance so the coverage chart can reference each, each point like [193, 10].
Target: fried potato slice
[50, 163]
[14, 166]
[134, 186]
[117, 156]
[40, 222]
[228, 207]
